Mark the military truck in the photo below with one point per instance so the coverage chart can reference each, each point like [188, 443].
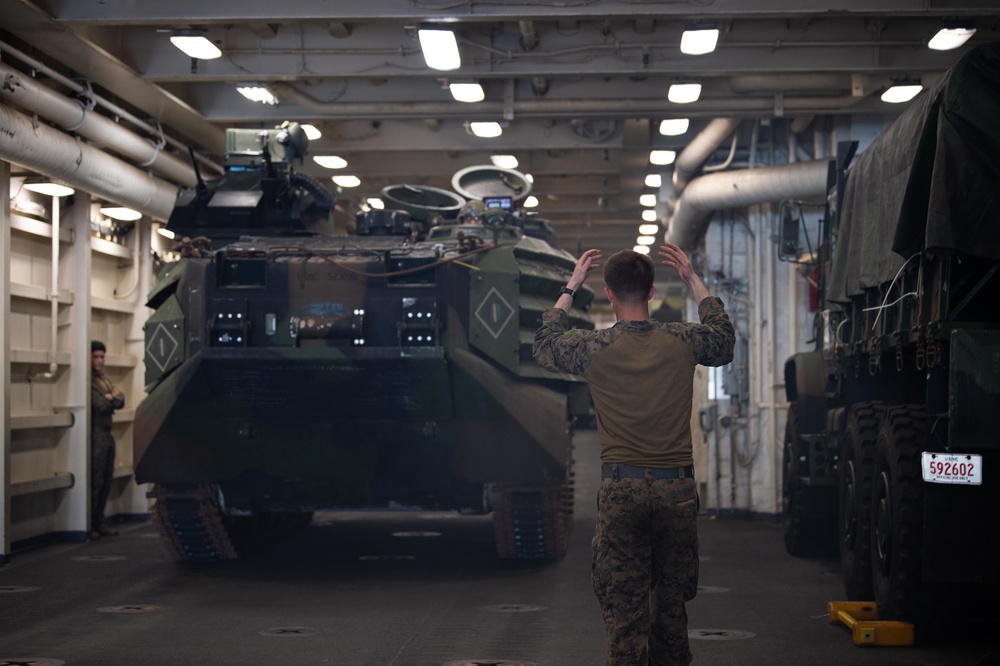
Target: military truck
[891, 449]
[291, 369]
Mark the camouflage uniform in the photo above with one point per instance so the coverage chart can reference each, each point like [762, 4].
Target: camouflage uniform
[102, 445]
[646, 543]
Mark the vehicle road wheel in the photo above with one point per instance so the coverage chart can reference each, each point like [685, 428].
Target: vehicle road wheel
[897, 514]
[806, 512]
[857, 467]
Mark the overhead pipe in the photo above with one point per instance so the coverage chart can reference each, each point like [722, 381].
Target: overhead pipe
[736, 189]
[116, 110]
[30, 95]
[57, 155]
[552, 107]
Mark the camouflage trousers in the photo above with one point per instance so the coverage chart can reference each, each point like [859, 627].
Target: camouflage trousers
[646, 567]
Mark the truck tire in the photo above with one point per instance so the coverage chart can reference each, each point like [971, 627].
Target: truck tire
[897, 514]
[806, 511]
[857, 468]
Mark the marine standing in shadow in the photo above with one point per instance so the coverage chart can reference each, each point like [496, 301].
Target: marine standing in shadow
[104, 400]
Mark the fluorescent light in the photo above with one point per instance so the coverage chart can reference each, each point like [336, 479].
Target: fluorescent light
[647, 200]
[531, 201]
[648, 215]
[257, 94]
[50, 189]
[330, 161]
[166, 233]
[950, 38]
[121, 213]
[662, 157]
[486, 130]
[674, 126]
[700, 41]
[684, 93]
[504, 161]
[311, 132]
[347, 181]
[653, 180]
[375, 203]
[648, 229]
[645, 240]
[440, 48]
[901, 93]
[641, 249]
[196, 46]
[467, 92]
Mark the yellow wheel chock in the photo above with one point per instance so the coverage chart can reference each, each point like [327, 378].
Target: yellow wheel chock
[861, 617]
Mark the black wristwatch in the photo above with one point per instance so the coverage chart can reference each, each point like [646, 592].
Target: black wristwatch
[567, 290]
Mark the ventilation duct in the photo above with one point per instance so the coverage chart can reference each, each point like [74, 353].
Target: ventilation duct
[738, 189]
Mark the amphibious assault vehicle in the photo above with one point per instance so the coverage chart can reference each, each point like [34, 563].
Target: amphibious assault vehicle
[290, 369]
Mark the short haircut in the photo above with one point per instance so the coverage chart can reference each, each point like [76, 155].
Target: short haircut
[629, 276]
[97, 345]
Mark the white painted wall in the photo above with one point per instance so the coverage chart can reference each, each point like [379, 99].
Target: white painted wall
[47, 416]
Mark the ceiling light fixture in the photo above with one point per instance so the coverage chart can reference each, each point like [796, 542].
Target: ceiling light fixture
[648, 215]
[684, 93]
[951, 36]
[645, 240]
[901, 92]
[49, 189]
[467, 92]
[166, 233]
[330, 161]
[440, 48]
[699, 40]
[648, 229]
[256, 93]
[375, 203]
[647, 200]
[121, 213]
[531, 201]
[653, 180]
[662, 157]
[347, 181]
[486, 130]
[504, 161]
[195, 44]
[528, 177]
[674, 126]
[312, 133]
[641, 249]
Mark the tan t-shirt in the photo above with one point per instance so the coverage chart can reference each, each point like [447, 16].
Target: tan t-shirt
[640, 375]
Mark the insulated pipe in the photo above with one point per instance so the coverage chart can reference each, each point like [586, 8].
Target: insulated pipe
[34, 97]
[59, 156]
[700, 149]
[746, 187]
[113, 108]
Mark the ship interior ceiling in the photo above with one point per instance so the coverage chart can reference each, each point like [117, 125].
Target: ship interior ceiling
[578, 91]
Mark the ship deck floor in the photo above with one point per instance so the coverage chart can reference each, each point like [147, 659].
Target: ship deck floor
[346, 591]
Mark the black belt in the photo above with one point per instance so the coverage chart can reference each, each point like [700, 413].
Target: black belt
[622, 471]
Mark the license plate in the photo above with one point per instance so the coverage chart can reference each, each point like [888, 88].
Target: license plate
[961, 468]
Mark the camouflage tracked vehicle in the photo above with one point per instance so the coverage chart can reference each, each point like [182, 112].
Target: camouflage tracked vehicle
[290, 371]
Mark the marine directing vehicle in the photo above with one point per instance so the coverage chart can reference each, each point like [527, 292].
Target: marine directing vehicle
[892, 443]
[289, 371]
